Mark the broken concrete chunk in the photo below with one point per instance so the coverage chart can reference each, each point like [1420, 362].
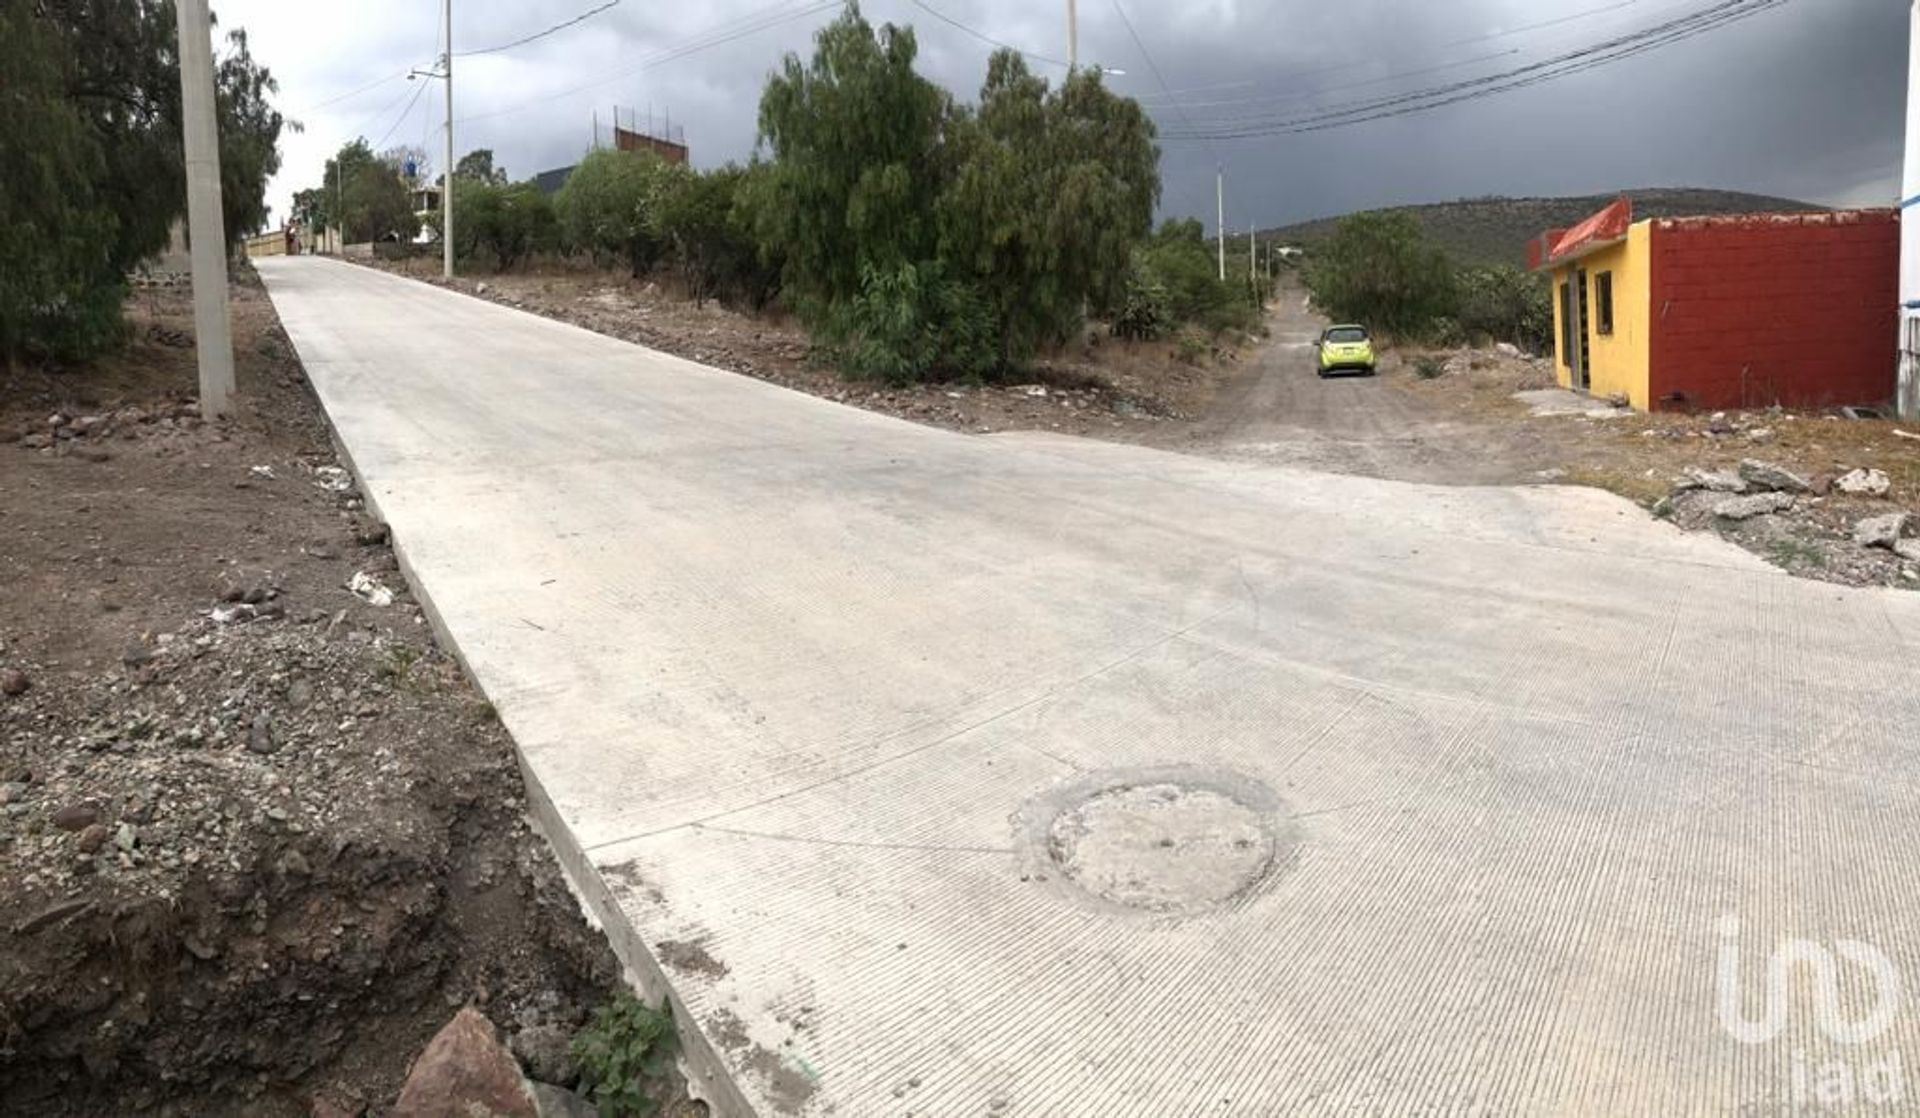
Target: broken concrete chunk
[1766, 475]
[1864, 483]
[1758, 504]
[1881, 531]
[465, 1071]
[1713, 481]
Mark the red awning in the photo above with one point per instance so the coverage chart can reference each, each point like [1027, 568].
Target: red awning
[1607, 227]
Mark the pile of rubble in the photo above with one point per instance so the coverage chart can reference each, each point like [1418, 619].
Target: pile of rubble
[1839, 525]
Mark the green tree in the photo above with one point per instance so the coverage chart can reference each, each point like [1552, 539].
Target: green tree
[1051, 191]
[114, 186]
[477, 166]
[1379, 269]
[503, 225]
[59, 291]
[606, 208]
[858, 165]
[1506, 304]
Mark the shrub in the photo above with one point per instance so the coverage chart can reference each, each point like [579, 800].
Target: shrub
[606, 208]
[504, 224]
[1378, 269]
[1428, 367]
[1508, 305]
[912, 322]
[627, 1046]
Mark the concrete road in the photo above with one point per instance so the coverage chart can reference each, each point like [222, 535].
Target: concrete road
[949, 775]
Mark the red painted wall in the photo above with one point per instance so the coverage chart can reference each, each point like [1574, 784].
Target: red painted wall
[1797, 310]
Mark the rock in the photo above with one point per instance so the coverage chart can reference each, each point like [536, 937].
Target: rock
[371, 535]
[1766, 475]
[1881, 531]
[13, 681]
[260, 735]
[558, 1102]
[465, 1073]
[321, 550]
[1714, 481]
[136, 654]
[126, 838]
[546, 1052]
[299, 693]
[1508, 349]
[92, 838]
[1908, 550]
[479, 289]
[1864, 483]
[1746, 508]
[76, 817]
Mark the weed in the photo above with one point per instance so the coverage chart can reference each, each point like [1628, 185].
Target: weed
[1790, 553]
[1428, 367]
[1190, 348]
[627, 1048]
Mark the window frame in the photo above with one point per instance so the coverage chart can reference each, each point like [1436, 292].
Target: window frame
[1603, 302]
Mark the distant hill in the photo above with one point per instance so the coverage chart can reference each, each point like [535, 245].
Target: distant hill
[1496, 230]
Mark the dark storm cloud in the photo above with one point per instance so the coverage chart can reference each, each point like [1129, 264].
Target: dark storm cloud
[1804, 101]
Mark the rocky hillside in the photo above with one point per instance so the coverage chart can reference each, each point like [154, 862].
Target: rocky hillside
[1496, 230]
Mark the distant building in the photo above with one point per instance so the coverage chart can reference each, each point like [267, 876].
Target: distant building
[426, 205]
[671, 147]
[550, 182]
[1726, 312]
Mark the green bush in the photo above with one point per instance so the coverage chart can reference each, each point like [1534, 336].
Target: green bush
[1379, 270]
[1506, 304]
[1428, 367]
[606, 209]
[1178, 263]
[502, 225]
[625, 1049]
[1144, 312]
[911, 323]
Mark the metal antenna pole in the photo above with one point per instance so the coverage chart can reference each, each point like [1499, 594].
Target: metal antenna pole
[212, 329]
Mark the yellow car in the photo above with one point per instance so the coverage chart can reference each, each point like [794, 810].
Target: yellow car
[1345, 348]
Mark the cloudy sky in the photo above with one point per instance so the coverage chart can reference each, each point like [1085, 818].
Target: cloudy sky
[1803, 100]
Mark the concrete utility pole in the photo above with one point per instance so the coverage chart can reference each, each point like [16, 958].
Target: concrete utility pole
[1907, 400]
[1073, 36]
[1252, 255]
[212, 330]
[1220, 201]
[446, 179]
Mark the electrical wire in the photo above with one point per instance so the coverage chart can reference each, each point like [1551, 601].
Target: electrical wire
[718, 35]
[983, 36]
[554, 30]
[404, 114]
[1157, 77]
[1594, 56]
[352, 93]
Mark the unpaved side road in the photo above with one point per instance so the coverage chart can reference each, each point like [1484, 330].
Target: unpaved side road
[1277, 409]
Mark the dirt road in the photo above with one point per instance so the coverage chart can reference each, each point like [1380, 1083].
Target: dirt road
[1278, 410]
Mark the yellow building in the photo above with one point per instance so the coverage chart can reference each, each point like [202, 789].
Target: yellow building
[1742, 311]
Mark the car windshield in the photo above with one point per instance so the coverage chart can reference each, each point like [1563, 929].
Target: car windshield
[1346, 335]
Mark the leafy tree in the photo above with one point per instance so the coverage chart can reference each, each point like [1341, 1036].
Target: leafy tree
[1052, 189]
[606, 208]
[858, 164]
[706, 221]
[477, 166]
[59, 292]
[1506, 304]
[503, 223]
[94, 173]
[1174, 277]
[1380, 270]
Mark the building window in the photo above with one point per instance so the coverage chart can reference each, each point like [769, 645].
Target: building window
[1603, 302]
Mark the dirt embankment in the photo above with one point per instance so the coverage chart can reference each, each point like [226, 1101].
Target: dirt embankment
[258, 836]
[1101, 388]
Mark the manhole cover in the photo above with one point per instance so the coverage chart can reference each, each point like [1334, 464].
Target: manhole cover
[1171, 842]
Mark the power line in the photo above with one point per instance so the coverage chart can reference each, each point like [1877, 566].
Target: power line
[555, 29]
[352, 93]
[401, 119]
[1155, 68]
[983, 36]
[718, 35]
[1594, 56]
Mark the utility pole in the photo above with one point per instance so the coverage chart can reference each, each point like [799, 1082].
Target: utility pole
[1907, 375]
[446, 189]
[1220, 200]
[1252, 253]
[212, 330]
[1073, 36]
